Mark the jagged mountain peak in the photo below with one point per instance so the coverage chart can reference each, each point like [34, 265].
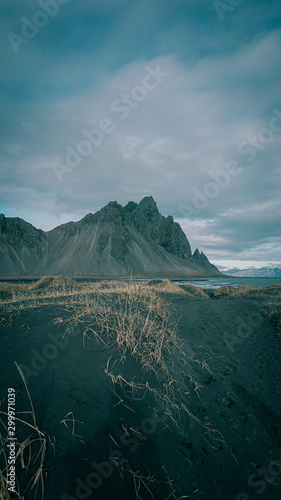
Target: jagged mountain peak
[16, 230]
[130, 207]
[112, 212]
[202, 260]
[148, 202]
[197, 254]
[146, 218]
[143, 214]
[201, 254]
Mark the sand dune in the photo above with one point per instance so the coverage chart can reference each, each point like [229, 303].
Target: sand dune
[143, 391]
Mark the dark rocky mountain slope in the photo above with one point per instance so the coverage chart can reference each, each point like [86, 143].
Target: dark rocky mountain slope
[115, 241]
[22, 246]
[201, 260]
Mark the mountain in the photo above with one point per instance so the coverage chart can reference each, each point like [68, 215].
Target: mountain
[263, 272]
[201, 260]
[115, 241]
[21, 246]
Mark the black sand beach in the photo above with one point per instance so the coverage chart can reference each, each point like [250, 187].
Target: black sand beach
[112, 419]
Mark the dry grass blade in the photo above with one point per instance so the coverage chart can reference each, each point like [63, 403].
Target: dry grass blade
[30, 400]
[73, 421]
[30, 451]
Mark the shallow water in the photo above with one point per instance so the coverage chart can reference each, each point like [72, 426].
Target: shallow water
[206, 283]
[211, 283]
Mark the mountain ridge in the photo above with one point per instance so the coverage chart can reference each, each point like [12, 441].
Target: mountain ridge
[114, 241]
[262, 272]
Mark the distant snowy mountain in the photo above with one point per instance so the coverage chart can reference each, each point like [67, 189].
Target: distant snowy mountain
[263, 272]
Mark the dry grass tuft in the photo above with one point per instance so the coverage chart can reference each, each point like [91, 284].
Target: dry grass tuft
[47, 290]
[9, 290]
[135, 319]
[130, 316]
[30, 455]
[272, 309]
[165, 286]
[61, 284]
[195, 291]
[227, 291]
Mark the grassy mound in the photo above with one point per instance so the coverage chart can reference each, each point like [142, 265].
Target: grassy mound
[7, 290]
[55, 283]
[165, 286]
[194, 291]
[272, 308]
[227, 291]
[42, 284]
[133, 317]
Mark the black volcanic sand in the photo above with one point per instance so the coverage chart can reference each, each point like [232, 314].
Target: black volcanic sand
[125, 443]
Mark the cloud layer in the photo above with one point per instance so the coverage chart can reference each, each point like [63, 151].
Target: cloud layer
[96, 72]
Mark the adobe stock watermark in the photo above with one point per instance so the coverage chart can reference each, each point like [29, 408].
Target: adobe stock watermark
[40, 360]
[132, 438]
[121, 107]
[250, 148]
[244, 330]
[31, 27]
[258, 480]
[227, 6]
[264, 137]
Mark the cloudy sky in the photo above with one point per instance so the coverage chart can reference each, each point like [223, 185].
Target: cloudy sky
[121, 99]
